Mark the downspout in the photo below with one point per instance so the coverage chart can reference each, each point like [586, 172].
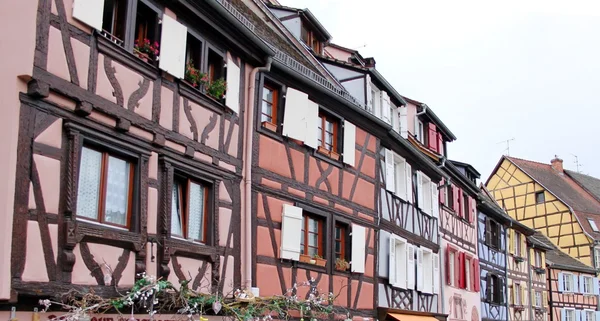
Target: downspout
[247, 209]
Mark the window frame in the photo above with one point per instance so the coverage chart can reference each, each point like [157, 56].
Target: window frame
[465, 205]
[184, 217]
[452, 253]
[537, 261]
[325, 117]
[468, 261]
[571, 278]
[494, 241]
[347, 242]
[106, 153]
[495, 289]
[517, 290]
[593, 225]
[321, 234]
[517, 243]
[282, 90]
[274, 104]
[597, 258]
[570, 314]
[538, 299]
[540, 197]
[585, 285]
[588, 312]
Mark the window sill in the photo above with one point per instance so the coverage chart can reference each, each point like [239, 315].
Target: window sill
[539, 270]
[179, 245]
[312, 267]
[197, 95]
[88, 230]
[331, 154]
[125, 57]
[518, 258]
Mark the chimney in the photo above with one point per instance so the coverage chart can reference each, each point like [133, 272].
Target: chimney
[370, 62]
[557, 164]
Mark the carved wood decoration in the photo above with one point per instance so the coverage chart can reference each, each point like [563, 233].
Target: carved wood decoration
[86, 89]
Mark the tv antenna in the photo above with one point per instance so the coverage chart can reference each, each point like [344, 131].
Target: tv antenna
[507, 142]
[577, 164]
[359, 47]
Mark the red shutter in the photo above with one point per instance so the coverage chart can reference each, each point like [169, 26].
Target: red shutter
[440, 143]
[455, 199]
[448, 276]
[433, 140]
[462, 280]
[470, 200]
[475, 271]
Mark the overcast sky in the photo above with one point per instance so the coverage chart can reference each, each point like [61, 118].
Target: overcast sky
[528, 70]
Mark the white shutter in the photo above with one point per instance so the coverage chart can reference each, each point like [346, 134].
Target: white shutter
[403, 112]
[291, 232]
[563, 314]
[581, 282]
[389, 171]
[596, 287]
[396, 120]
[410, 267]
[369, 102]
[597, 316]
[312, 123]
[575, 283]
[561, 282]
[578, 315]
[385, 106]
[436, 274]
[294, 118]
[173, 40]
[358, 248]
[435, 200]
[232, 98]
[420, 275]
[392, 277]
[408, 176]
[349, 143]
[420, 198]
[89, 12]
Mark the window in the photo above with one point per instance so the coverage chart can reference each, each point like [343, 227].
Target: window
[569, 314]
[568, 282]
[468, 277]
[400, 175]
[427, 273]
[309, 38]
[270, 97]
[538, 299]
[425, 191]
[587, 285]
[492, 234]
[376, 101]
[113, 20]
[449, 196]
[146, 25]
[539, 197]
[593, 225]
[189, 218]
[597, 258]
[328, 132]
[420, 131]
[215, 65]
[105, 188]
[193, 53]
[538, 259]
[465, 205]
[517, 244]
[452, 268]
[311, 242]
[494, 289]
[339, 247]
[517, 294]
[589, 315]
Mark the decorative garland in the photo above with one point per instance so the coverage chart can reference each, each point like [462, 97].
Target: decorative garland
[160, 296]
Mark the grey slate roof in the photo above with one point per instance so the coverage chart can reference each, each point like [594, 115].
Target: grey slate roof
[589, 183]
[558, 259]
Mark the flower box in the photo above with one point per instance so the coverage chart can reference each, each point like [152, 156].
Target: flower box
[269, 125]
[320, 261]
[539, 270]
[518, 259]
[307, 259]
[334, 155]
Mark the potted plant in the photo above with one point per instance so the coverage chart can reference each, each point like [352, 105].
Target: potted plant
[320, 261]
[146, 50]
[193, 76]
[217, 88]
[306, 259]
[341, 264]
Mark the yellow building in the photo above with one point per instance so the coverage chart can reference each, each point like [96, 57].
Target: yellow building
[551, 200]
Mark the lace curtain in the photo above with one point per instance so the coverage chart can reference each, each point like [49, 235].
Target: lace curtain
[89, 183]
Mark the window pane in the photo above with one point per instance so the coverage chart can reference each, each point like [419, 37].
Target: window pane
[196, 212]
[117, 191]
[313, 239]
[312, 251]
[313, 225]
[176, 211]
[89, 183]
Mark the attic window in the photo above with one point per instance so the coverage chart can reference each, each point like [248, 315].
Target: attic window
[539, 197]
[593, 225]
[310, 39]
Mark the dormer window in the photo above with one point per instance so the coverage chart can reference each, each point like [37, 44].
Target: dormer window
[310, 39]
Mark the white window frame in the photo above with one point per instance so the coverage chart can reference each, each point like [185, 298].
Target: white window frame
[517, 290]
[593, 225]
[400, 176]
[569, 314]
[537, 258]
[420, 131]
[589, 315]
[467, 275]
[597, 258]
[587, 286]
[517, 243]
[538, 299]
[427, 197]
[399, 264]
[571, 286]
[376, 101]
[427, 270]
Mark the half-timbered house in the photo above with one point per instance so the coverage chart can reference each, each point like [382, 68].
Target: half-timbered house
[538, 277]
[334, 184]
[124, 164]
[458, 235]
[491, 240]
[517, 272]
[546, 197]
[572, 285]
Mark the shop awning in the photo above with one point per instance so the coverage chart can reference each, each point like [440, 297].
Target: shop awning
[410, 317]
